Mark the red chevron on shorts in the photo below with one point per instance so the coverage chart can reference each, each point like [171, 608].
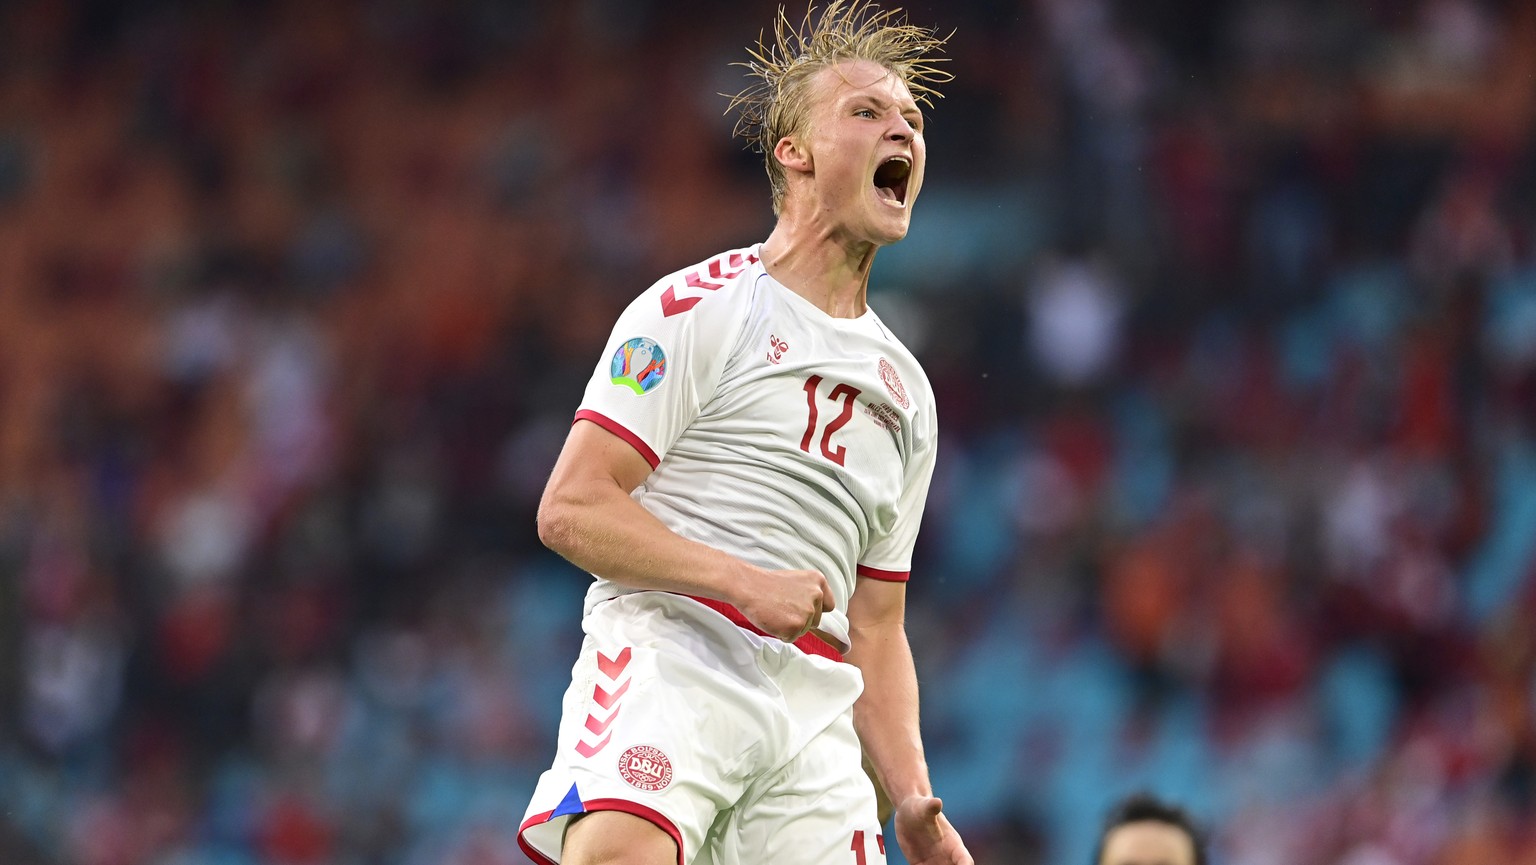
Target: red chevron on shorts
[615, 670]
[612, 667]
[606, 699]
[589, 751]
[600, 727]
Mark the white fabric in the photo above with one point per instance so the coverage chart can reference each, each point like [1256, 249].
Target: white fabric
[755, 738]
[742, 465]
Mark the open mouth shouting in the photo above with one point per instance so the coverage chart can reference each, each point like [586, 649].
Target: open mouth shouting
[891, 180]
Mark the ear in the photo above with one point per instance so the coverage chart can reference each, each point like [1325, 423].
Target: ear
[792, 154]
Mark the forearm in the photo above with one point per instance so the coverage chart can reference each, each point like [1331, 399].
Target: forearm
[886, 715]
[599, 528]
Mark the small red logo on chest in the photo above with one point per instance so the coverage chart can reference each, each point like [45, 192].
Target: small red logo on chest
[893, 384]
[776, 349]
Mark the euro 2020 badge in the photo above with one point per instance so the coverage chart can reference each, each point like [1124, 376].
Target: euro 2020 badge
[639, 364]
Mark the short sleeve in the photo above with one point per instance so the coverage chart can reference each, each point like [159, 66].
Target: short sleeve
[889, 556]
[662, 363]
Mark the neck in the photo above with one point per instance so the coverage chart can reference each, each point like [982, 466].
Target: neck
[816, 264]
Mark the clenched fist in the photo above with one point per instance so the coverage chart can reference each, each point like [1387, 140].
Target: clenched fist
[786, 604]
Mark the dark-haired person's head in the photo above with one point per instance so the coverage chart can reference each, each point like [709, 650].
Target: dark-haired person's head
[1144, 830]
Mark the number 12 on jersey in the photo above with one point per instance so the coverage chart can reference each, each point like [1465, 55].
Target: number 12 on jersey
[847, 394]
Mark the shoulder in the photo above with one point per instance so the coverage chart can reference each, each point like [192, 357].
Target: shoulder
[713, 285]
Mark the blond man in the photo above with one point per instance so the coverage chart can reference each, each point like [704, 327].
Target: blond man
[744, 479]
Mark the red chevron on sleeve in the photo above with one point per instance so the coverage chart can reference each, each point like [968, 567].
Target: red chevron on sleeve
[671, 304]
[695, 281]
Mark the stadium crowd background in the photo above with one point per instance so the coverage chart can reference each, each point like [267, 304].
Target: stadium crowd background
[1230, 308]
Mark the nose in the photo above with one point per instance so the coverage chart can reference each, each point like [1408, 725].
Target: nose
[903, 131]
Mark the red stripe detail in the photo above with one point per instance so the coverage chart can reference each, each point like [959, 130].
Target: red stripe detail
[612, 667]
[717, 273]
[622, 432]
[696, 281]
[605, 699]
[587, 751]
[535, 820]
[808, 643]
[600, 727]
[593, 805]
[888, 576]
[671, 304]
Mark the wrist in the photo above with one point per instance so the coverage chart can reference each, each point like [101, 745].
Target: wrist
[731, 580]
[910, 795]
[902, 789]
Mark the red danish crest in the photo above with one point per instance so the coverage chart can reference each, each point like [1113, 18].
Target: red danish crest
[646, 768]
[893, 383]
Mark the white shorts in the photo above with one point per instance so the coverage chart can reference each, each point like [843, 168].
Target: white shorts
[741, 747]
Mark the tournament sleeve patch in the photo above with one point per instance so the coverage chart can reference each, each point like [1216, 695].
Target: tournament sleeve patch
[639, 364]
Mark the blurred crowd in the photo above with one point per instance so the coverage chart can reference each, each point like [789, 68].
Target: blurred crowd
[1230, 308]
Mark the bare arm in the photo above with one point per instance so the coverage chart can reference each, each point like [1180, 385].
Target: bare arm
[587, 516]
[886, 717]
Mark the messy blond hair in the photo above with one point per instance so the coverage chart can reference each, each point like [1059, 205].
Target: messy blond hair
[776, 105]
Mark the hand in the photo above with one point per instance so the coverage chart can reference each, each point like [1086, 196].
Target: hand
[786, 604]
[926, 835]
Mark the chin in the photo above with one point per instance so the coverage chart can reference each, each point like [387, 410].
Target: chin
[886, 237]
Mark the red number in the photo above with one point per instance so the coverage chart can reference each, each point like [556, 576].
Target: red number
[880, 842]
[847, 393]
[810, 402]
[858, 847]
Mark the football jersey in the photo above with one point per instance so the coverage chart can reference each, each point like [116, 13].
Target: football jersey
[776, 432]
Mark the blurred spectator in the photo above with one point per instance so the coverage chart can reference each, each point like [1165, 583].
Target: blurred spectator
[1144, 830]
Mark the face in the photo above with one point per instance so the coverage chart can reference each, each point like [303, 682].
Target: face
[864, 146]
[1148, 842]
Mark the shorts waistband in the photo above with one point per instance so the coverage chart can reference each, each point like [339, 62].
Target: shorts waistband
[808, 643]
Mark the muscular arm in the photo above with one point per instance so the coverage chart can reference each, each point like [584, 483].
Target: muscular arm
[886, 717]
[587, 516]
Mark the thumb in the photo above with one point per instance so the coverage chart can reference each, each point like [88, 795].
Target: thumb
[925, 808]
[828, 600]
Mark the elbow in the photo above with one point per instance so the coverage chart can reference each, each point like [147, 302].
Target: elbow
[555, 526]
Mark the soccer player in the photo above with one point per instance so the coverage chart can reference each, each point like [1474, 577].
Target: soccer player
[744, 479]
[1144, 830]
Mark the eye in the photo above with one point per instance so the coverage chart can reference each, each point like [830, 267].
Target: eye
[865, 112]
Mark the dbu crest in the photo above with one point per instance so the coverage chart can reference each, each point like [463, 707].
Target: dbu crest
[645, 768]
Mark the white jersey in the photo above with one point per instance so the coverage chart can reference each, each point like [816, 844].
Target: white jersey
[777, 433]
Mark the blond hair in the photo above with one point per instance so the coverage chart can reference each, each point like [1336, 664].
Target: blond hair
[776, 104]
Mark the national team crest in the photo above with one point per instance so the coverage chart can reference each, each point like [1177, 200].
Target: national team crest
[639, 364]
[893, 384]
[646, 768]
